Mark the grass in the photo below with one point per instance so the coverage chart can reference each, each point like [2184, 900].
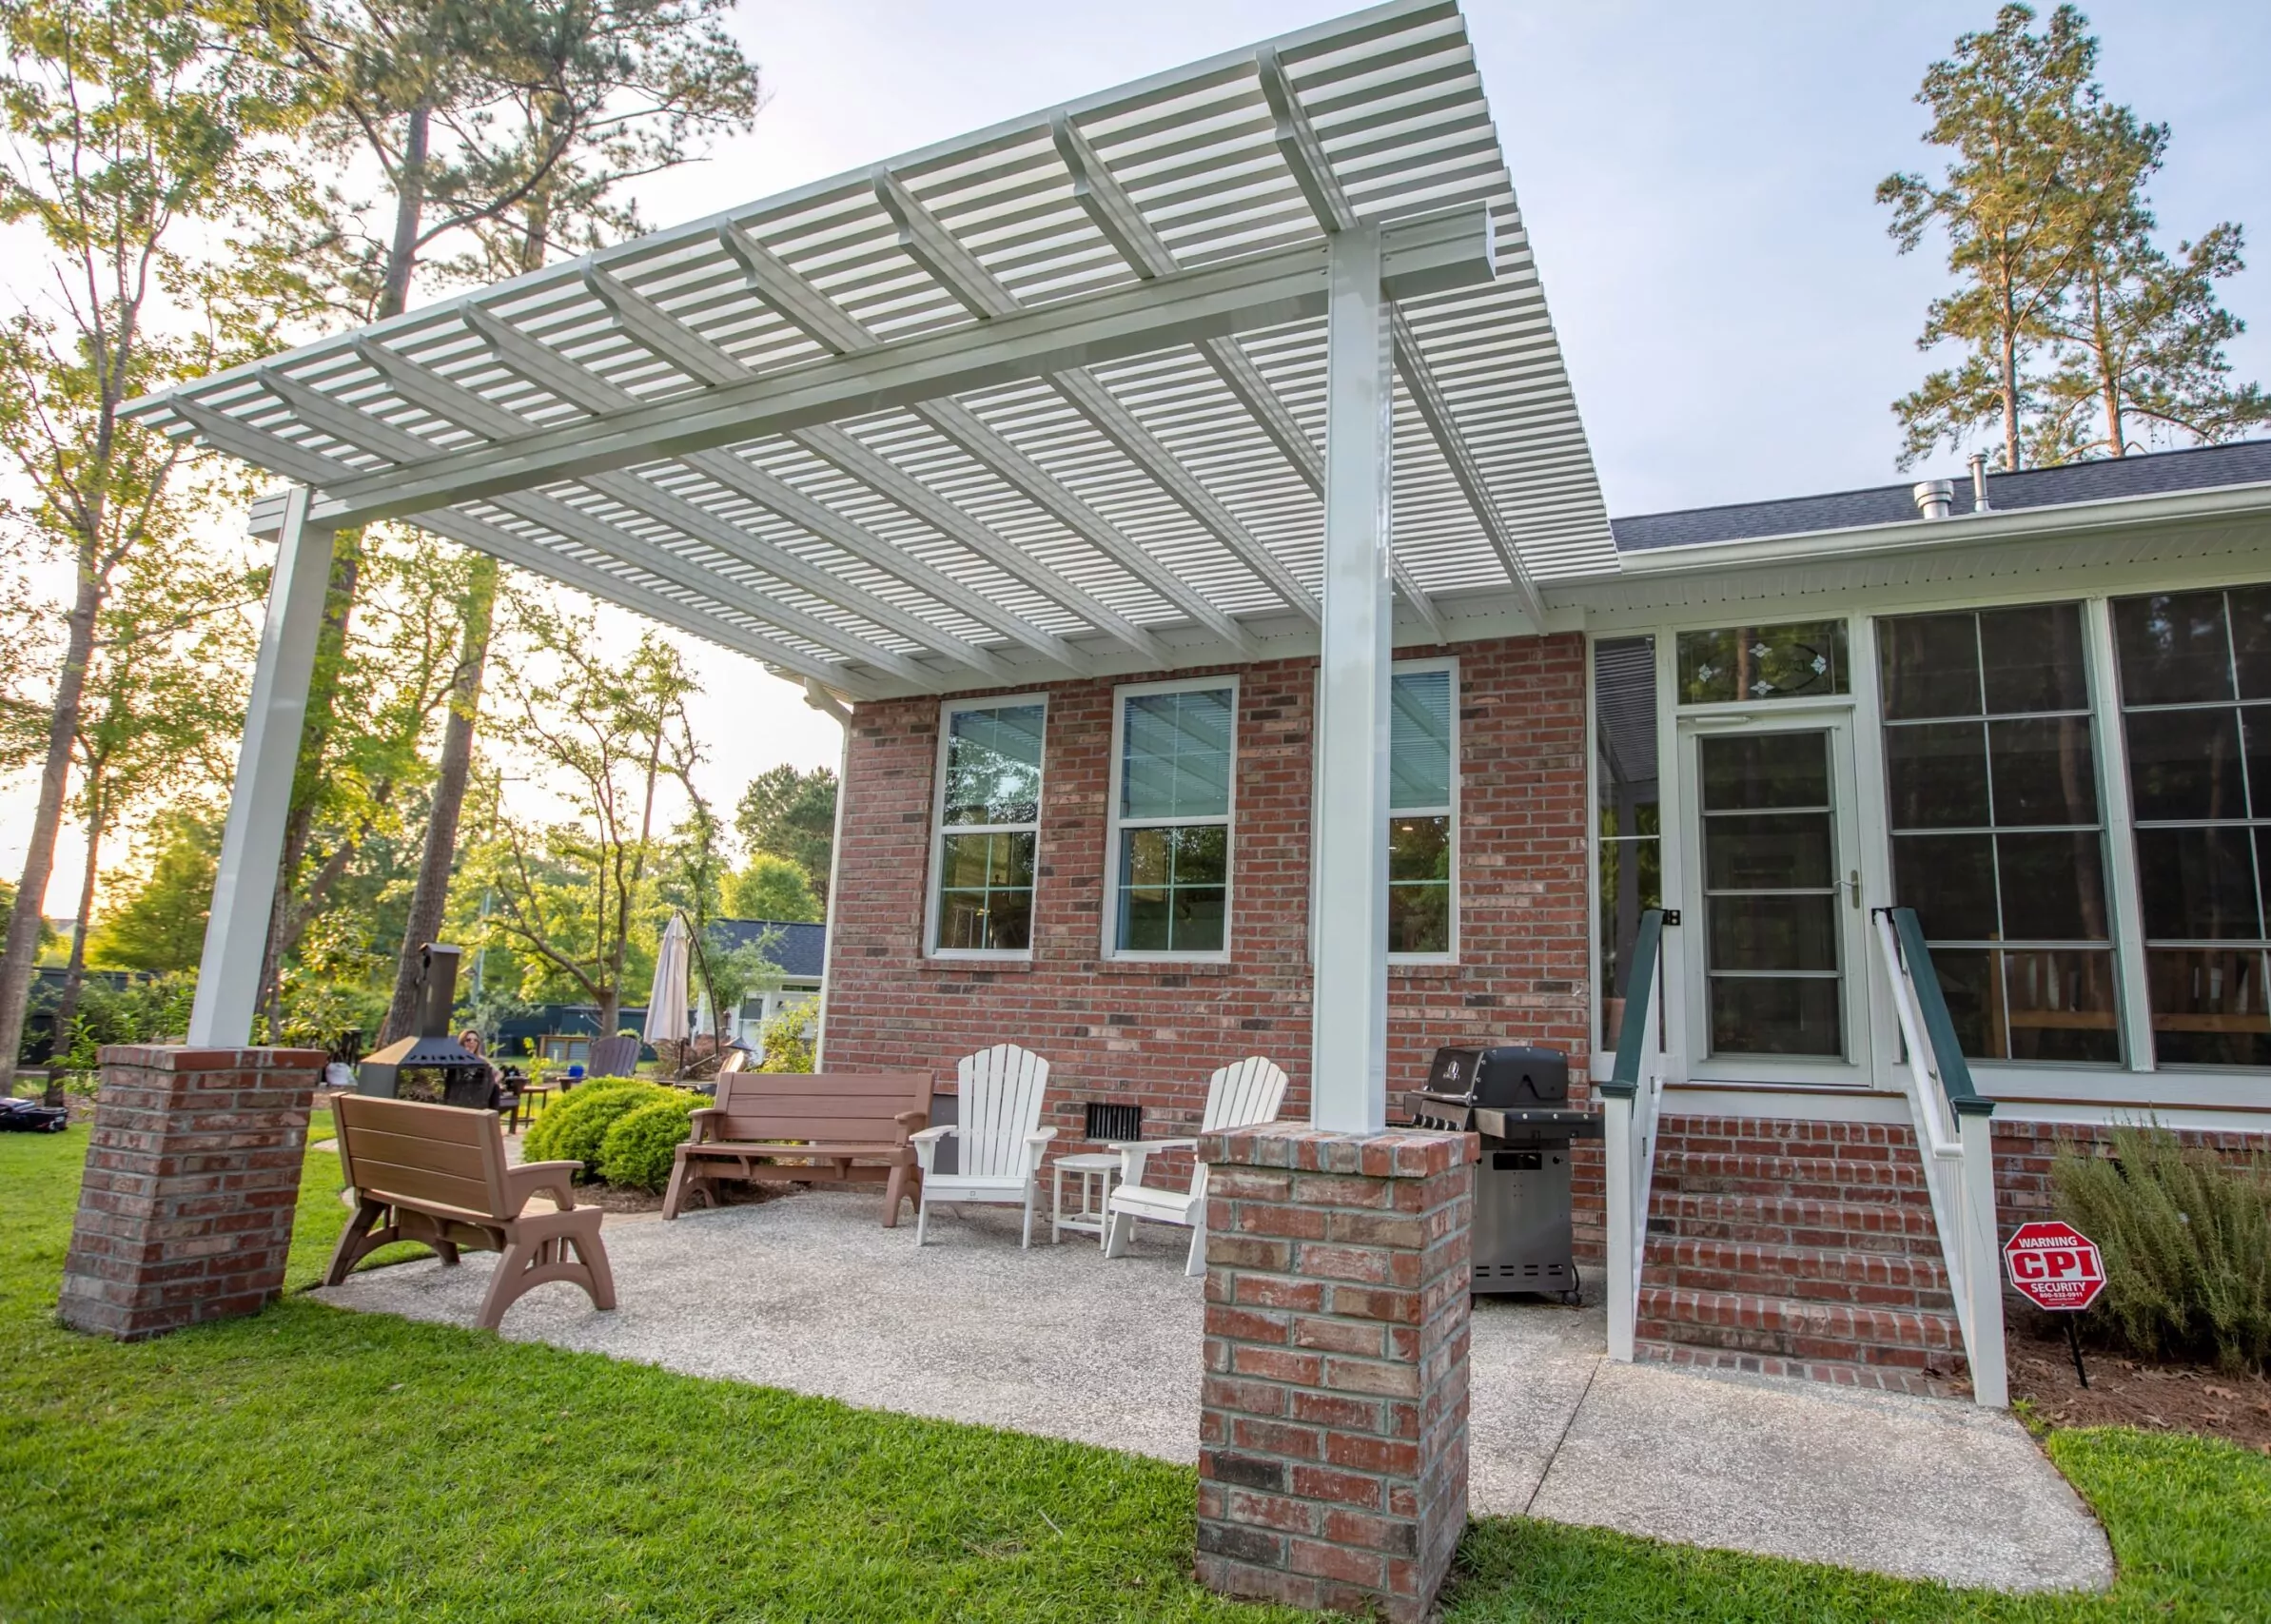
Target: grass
[312, 1464]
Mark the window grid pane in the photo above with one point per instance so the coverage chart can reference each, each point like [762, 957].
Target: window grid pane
[1630, 876]
[1997, 839]
[2200, 790]
[1172, 875]
[1422, 894]
[988, 829]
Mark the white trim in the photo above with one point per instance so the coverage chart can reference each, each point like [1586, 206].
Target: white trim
[947, 710]
[1106, 948]
[1416, 668]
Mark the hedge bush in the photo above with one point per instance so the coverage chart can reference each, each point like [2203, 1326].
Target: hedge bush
[640, 1147]
[2186, 1235]
[572, 1126]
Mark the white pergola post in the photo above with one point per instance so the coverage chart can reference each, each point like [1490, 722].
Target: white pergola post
[1349, 1052]
[251, 846]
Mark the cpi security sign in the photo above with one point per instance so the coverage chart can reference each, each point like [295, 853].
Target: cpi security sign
[2056, 1266]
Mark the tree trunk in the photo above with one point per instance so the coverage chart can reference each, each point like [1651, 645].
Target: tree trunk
[409, 215]
[430, 897]
[76, 971]
[2109, 381]
[2010, 386]
[22, 950]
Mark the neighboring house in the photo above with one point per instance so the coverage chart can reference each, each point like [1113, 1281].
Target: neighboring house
[799, 950]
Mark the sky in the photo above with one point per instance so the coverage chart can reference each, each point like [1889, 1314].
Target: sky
[1697, 181]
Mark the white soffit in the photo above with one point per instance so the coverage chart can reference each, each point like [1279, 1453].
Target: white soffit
[1045, 401]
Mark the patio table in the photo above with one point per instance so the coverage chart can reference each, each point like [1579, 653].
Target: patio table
[1098, 1172]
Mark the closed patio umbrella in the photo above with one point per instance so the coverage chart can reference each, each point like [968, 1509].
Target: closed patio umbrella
[666, 1004]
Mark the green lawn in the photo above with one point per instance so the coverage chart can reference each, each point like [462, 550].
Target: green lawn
[308, 1463]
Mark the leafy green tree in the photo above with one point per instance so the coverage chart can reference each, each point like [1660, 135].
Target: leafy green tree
[576, 901]
[2080, 334]
[773, 888]
[158, 922]
[145, 145]
[788, 813]
[2007, 102]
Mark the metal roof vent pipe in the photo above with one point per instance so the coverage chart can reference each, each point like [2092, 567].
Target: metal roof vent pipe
[1979, 482]
[1935, 499]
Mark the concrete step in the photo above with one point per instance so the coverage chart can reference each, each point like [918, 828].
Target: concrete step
[1819, 1178]
[1812, 1274]
[1882, 1225]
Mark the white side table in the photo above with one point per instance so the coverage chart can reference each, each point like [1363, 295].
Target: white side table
[1098, 1171]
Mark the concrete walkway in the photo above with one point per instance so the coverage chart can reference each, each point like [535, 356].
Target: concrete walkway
[810, 1294]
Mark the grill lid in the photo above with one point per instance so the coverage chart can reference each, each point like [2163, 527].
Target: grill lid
[1508, 1077]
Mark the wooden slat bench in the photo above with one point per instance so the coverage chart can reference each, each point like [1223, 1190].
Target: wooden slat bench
[436, 1175]
[779, 1128]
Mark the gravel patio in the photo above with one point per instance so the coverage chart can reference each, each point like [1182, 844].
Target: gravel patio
[809, 1293]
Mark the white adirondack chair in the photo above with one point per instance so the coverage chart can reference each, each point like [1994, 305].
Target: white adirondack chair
[1237, 1096]
[999, 1136]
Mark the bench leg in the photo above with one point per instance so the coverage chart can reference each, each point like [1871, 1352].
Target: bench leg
[1026, 1245]
[594, 1253]
[922, 1215]
[526, 1264]
[358, 1239]
[1194, 1266]
[894, 1192]
[676, 1193]
[1119, 1228]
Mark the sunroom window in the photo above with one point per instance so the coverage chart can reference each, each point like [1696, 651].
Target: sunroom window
[988, 825]
[1171, 819]
[1997, 839]
[1630, 843]
[1422, 894]
[2196, 713]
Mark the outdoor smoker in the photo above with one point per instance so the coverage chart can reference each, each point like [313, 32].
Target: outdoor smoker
[1517, 1100]
[430, 1066]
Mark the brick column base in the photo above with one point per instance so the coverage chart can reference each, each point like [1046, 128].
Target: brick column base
[1333, 1433]
[193, 1177]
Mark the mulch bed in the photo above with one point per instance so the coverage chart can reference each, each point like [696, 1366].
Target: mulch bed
[2128, 1392]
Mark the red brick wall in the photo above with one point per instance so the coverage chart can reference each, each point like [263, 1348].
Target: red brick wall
[1153, 1032]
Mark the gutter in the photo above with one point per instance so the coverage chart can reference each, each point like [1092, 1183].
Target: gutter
[1934, 535]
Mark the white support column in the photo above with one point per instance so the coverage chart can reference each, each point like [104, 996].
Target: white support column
[1349, 1054]
[251, 846]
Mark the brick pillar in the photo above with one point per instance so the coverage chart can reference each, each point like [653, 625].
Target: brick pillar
[192, 1176]
[1333, 1433]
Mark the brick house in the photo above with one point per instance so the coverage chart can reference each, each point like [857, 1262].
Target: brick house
[1180, 496]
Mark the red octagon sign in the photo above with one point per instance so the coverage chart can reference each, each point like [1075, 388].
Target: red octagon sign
[2055, 1265]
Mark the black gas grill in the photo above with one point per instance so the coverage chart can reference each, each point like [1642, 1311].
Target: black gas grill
[1517, 1100]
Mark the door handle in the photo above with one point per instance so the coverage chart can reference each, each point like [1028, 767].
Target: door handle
[1851, 887]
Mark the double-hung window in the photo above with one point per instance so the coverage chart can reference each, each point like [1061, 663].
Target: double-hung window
[989, 822]
[1174, 760]
[1422, 810]
[2196, 713]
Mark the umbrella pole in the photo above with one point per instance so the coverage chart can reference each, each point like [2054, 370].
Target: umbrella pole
[702, 962]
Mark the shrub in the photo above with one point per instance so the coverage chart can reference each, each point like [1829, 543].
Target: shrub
[2186, 1235]
[572, 1126]
[640, 1147]
[788, 1037]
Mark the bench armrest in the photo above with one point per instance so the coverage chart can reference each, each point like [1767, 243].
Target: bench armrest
[911, 1121]
[555, 1178]
[1036, 1144]
[703, 1120]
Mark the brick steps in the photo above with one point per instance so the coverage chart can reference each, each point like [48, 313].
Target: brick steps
[1803, 1249]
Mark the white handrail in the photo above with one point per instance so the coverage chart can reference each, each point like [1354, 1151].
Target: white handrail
[1627, 1142]
[1958, 1174]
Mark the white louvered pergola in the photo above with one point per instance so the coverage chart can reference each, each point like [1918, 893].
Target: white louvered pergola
[1242, 361]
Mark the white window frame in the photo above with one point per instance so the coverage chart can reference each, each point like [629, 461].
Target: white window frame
[947, 710]
[1416, 668]
[1114, 824]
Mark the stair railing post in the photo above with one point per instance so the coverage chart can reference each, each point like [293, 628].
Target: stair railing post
[1620, 1159]
[1983, 1259]
[1627, 1124]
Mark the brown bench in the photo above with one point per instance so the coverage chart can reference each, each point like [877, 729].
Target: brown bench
[784, 1127]
[436, 1175]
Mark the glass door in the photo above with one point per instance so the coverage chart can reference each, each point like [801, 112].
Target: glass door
[1778, 963]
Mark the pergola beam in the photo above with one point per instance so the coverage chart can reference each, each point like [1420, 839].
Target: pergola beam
[539, 560]
[660, 333]
[779, 496]
[429, 391]
[586, 530]
[693, 520]
[1123, 224]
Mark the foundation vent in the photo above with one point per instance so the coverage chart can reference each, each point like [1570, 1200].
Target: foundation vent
[1109, 1121]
